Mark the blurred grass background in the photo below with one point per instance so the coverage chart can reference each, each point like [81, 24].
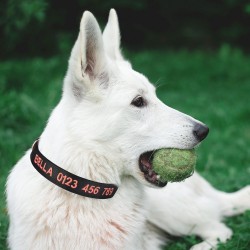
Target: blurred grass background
[196, 51]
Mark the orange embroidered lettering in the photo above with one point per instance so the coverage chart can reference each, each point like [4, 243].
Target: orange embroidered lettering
[49, 171]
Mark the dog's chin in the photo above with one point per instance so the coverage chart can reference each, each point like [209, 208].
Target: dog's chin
[145, 165]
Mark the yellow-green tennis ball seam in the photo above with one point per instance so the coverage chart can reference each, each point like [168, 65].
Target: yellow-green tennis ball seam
[174, 165]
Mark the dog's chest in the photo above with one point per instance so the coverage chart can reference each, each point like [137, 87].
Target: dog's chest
[84, 223]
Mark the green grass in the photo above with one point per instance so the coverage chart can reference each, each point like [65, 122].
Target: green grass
[214, 88]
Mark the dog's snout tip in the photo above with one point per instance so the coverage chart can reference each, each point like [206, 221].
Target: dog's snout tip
[200, 131]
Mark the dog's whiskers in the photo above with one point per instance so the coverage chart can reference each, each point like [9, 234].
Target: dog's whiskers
[157, 84]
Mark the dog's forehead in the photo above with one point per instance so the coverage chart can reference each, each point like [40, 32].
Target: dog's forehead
[135, 80]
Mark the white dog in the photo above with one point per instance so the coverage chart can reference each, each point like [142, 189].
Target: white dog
[108, 118]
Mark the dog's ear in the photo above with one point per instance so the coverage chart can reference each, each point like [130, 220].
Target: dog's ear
[87, 60]
[111, 37]
[92, 51]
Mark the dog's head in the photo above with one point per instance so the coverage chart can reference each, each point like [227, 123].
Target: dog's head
[114, 108]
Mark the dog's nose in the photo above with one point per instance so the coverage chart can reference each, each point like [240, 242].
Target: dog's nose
[200, 131]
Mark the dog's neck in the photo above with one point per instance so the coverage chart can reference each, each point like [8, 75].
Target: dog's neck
[83, 158]
[95, 165]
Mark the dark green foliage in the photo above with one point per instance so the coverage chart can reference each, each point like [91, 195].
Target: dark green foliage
[18, 21]
[175, 24]
[214, 88]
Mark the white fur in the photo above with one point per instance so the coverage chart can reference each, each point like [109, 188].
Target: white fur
[96, 133]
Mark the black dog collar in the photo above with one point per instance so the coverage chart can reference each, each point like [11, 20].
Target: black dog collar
[67, 180]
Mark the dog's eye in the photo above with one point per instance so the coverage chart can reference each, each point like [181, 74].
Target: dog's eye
[138, 101]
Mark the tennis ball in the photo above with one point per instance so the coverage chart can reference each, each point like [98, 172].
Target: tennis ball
[174, 165]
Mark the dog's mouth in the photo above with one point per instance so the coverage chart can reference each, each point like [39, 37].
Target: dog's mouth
[145, 164]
